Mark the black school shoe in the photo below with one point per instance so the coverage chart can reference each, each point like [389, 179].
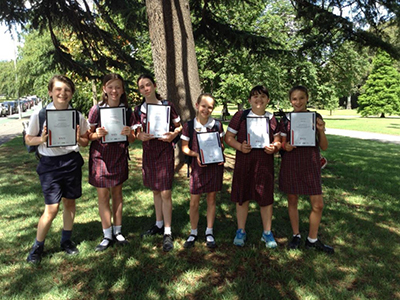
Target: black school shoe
[69, 247]
[35, 255]
[101, 247]
[318, 245]
[153, 231]
[122, 242]
[294, 243]
[210, 245]
[168, 242]
[190, 244]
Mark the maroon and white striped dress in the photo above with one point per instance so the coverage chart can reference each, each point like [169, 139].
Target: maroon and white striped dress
[253, 177]
[203, 179]
[300, 171]
[108, 163]
[158, 156]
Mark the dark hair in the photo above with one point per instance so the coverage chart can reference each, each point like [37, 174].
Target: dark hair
[204, 95]
[298, 88]
[104, 96]
[259, 89]
[63, 79]
[148, 76]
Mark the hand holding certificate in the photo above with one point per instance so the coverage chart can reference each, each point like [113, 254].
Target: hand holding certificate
[210, 148]
[257, 132]
[303, 128]
[113, 119]
[158, 119]
[61, 127]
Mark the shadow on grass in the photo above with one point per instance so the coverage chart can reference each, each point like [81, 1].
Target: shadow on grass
[361, 220]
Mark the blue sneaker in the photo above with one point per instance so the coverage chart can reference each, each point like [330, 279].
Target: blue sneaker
[269, 240]
[240, 238]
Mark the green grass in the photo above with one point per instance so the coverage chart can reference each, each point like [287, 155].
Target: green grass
[361, 220]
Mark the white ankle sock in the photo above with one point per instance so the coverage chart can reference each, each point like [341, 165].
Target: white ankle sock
[167, 230]
[312, 240]
[108, 233]
[209, 238]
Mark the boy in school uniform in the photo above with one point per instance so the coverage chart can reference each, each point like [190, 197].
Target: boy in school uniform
[59, 170]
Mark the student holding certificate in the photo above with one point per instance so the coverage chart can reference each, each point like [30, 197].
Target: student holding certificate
[108, 160]
[158, 155]
[253, 177]
[204, 178]
[301, 174]
[59, 169]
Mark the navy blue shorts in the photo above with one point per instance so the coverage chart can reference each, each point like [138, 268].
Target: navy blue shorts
[60, 176]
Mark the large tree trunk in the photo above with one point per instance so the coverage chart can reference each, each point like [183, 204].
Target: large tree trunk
[348, 104]
[174, 55]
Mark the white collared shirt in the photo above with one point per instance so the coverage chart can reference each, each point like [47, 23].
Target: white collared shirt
[198, 127]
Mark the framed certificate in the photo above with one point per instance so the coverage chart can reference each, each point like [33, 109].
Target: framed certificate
[61, 127]
[113, 119]
[158, 119]
[257, 132]
[210, 148]
[303, 128]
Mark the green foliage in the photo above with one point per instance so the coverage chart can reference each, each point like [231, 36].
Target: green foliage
[381, 93]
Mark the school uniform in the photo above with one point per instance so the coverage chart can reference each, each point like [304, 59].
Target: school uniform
[108, 163]
[203, 179]
[253, 177]
[300, 172]
[59, 168]
[158, 156]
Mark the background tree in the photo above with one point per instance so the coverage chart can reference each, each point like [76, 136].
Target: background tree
[381, 93]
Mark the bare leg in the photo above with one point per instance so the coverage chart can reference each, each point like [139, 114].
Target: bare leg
[293, 212]
[158, 205]
[194, 210]
[117, 202]
[241, 214]
[211, 208]
[266, 216]
[317, 205]
[167, 207]
[45, 221]
[104, 207]
[68, 213]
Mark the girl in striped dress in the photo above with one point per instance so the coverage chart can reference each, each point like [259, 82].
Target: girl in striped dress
[108, 163]
[253, 177]
[158, 159]
[301, 174]
[204, 178]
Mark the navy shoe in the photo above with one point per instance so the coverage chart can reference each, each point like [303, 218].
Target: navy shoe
[69, 247]
[294, 243]
[35, 255]
[318, 245]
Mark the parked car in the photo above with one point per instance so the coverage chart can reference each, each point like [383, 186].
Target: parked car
[3, 110]
[13, 105]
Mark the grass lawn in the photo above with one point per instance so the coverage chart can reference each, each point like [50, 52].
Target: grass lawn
[361, 220]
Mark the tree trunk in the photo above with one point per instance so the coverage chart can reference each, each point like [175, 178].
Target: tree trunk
[174, 56]
[94, 92]
[348, 104]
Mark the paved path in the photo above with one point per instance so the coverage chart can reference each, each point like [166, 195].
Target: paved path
[384, 138]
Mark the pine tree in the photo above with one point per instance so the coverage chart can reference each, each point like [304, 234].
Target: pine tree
[382, 90]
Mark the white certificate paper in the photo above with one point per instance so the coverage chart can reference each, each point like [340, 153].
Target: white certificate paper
[113, 119]
[303, 128]
[61, 127]
[210, 148]
[257, 132]
[158, 119]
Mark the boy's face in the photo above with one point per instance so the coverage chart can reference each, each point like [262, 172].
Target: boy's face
[259, 101]
[61, 94]
[299, 100]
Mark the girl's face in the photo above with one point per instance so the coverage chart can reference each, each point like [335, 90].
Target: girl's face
[205, 107]
[259, 101]
[299, 100]
[114, 90]
[146, 87]
[61, 93]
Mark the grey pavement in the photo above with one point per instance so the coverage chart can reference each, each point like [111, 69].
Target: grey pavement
[384, 138]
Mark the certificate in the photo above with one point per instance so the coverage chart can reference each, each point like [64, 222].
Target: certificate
[257, 131]
[303, 128]
[113, 119]
[158, 119]
[61, 127]
[210, 148]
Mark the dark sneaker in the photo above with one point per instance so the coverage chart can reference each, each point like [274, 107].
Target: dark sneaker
[168, 242]
[153, 231]
[35, 255]
[69, 247]
[318, 245]
[294, 243]
[190, 244]
[119, 239]
[105, 243]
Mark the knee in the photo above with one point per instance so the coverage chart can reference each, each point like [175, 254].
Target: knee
[317, 204]
[69, 205]
[293, 200]
[166, 196]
